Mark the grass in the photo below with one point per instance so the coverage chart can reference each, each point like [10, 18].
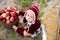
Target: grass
[24, 3]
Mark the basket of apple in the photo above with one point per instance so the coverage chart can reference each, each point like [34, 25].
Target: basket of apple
[8, 16]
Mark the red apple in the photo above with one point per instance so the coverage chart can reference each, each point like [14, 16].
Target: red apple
[11, 8]
[4, 15]
[1, 11]
[8, 21]
[8, 17]
[15, 17]
[12, 19]
[4, 20]
[17, 12]
[13, 14]
[8, 8]
[1, 17]
[8, 13]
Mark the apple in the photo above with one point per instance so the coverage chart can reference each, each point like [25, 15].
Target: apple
[1, 17]
[12, 19]
[8, 13]
[4, 20]
[11, 8]
[1, 11]
[8, 17]
[17, 12]
[8, 8]
[7, 21]
[15, 17]
[4, 15]
[13, 14]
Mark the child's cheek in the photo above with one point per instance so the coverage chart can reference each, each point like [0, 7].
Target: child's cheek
[31, 19]
[28, 19]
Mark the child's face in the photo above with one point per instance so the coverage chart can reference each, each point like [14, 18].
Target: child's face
[30, 16]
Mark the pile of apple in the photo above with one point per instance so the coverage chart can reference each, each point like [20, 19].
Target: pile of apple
[8, 15]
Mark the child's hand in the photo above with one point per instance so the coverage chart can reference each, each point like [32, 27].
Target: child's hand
[14, 27]
[25, 27]
[21, 19]
[20, 16]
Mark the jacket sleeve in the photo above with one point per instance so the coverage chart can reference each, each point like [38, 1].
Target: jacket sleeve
[21, 13]
[20, 31]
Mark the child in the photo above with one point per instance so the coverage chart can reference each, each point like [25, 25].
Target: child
[31, 18]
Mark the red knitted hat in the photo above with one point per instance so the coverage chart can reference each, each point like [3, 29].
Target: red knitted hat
[34, 9]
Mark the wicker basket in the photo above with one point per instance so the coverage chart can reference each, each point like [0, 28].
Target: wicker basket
[9, 25]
